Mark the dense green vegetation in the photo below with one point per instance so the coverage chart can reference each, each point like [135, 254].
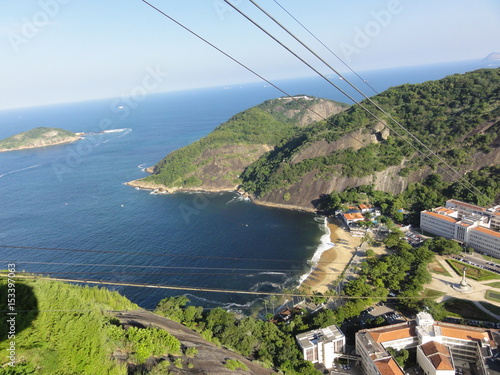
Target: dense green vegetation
[265, 124]
[144, 343]
[444, 114]
[400, 356]
[262, 340]
[234, 364]
[65, 329]
[36, 137]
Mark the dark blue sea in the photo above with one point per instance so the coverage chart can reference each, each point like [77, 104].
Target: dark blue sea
[73, 197]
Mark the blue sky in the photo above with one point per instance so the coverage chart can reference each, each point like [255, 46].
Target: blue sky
[67, 50]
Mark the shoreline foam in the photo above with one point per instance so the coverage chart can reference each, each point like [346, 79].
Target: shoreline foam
[332, 260]
[325, 245]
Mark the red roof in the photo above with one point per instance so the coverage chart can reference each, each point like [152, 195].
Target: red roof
[487, 231]
[394, 333]
[438, 354]
[388, 366]
[442, 217]
[464, 332]
[468, 205]
[354, 216]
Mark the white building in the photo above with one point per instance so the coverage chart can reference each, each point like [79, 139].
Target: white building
[472, 225]
[439, 346]
[435, 359]
[322, 345]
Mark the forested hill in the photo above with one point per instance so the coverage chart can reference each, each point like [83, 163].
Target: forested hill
[457, 117]
[65, 329]
[37, 137]
[216, 161]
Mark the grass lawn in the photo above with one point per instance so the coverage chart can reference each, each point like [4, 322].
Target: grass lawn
[493, 295]
[432, 293]
[472, 272]
[496, 284]
[494, 309]
[491, 259]
[467, 310]
[436, 267]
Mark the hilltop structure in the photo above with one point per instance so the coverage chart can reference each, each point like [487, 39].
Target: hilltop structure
[441, 347]
[474, 226]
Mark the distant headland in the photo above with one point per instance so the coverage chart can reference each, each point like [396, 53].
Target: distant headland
[38, 137]
[44, 137]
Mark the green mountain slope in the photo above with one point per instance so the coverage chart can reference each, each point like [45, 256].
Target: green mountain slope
[38, 137]
[216, 161]
[65, 329]
[457, 117]
[60, 328]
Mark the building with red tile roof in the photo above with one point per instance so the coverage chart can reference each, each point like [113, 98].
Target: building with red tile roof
[435, 359]
[474, 226]
[439, 344]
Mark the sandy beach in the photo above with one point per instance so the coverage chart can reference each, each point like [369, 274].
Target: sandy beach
[332, 261]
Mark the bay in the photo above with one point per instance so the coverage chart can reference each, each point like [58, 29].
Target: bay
[73, 197]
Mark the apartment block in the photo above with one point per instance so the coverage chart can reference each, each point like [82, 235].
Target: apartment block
[322, 345]
[474, 226]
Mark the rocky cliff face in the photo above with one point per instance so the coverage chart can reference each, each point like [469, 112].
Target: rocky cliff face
[305, 194]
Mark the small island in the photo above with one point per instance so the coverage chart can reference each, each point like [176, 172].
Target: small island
[38, 137]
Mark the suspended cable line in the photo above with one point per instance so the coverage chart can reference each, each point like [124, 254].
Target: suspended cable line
[455, 178]
[200, 289]
[157, 254]
[324, 45]
[165, 267]
[241, 64]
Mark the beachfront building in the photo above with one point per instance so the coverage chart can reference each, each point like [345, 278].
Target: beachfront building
[441, 347]
[322, 345]
[357, 213]
[351, 218]
[474, 226]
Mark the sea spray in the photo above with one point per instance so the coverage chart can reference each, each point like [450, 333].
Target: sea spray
[325, 244]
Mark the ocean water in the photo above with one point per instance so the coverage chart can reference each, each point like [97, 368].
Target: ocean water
[70, 201]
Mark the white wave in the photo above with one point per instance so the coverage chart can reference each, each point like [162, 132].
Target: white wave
[117, 130]
[235, 199]
[324, 245]
[273, 273]
[257, 286]
[157, 192]
[205, 300]
[238, 198]
[20, 170]
[125, 132]
[232, 305]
